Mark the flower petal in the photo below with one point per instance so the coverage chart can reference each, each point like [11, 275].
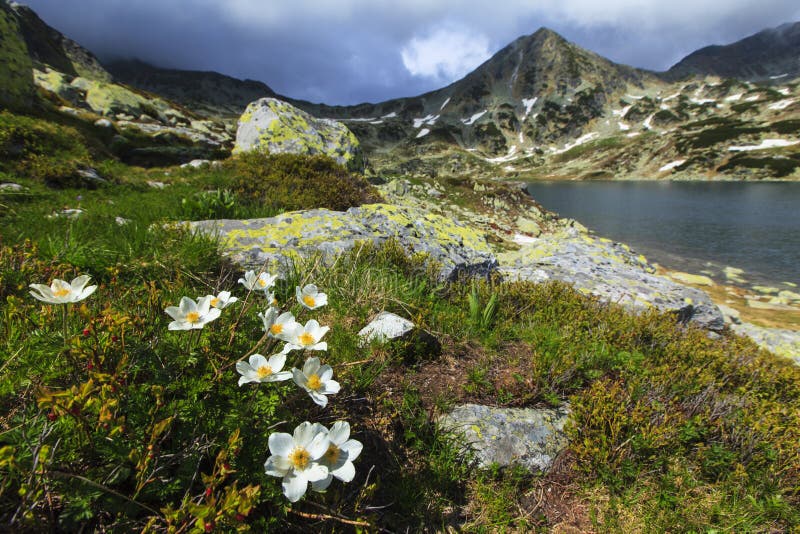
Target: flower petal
[318, 445]
[277, 466]
[311, 366]
[277, 361]
[322, 485]
[294, 485]
[316, 472]
[280, 444]
[339, 432]
[256, 361]
[352, 447]
[325, 373]
[304, 434]
[330, 387]
[346, 473]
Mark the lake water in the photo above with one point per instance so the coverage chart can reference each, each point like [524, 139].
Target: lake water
[692, 226]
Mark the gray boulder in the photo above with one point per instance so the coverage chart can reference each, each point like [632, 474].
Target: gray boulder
[528, 437]
[784, 343]
[386, 326]
[273, 241]
[610, 271]
[275, 126]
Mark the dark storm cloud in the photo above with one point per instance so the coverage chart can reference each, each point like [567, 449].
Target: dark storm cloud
[349, 51]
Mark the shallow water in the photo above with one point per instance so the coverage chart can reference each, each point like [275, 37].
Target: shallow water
[692, 226]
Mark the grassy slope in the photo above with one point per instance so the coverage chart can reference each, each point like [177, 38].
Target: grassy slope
[122, 423]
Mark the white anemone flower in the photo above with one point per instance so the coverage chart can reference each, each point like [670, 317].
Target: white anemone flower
[283, 326]
[296, 459]
[260, 369]
[263, 282]
[222, 300]
[310, 297]
[339, 456]
[317, 380]
[191, 315]
[62, 292]
[307, 337]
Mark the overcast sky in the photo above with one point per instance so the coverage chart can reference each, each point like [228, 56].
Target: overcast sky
[351, 51]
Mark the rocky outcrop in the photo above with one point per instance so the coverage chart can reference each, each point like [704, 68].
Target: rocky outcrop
[785, 343]
[610, 271]
[16, 82]
[530, 438]
[275, 126]
[252, 243]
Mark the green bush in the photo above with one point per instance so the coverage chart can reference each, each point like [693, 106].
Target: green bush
[286, 182]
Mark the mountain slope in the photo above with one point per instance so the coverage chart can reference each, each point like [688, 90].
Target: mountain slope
[769, 54]
[206, 93]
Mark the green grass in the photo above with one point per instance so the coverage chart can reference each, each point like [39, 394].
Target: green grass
[125, 425]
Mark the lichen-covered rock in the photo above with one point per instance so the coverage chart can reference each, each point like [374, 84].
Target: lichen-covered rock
[785, 343]
[610, 271]
[278, 127]
[252, 243]
[386, 326]
[530, 438]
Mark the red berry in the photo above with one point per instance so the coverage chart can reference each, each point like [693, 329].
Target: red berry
[85, 332]
[52, 416]
[208, 492]
[240, 517]
[114, 339]
[226, 466]
[209, 527]
[90, 366]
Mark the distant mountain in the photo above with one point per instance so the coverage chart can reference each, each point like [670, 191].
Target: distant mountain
[772, 54]
[206, 93]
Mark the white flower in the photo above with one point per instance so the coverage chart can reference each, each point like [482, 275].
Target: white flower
[316, 380]
[339, 456]
[259, 369]
[221, 301]
[61, 292]
[281, 326]
[310, 297]
[263, 282]
[295, 458]
[190, 315]
[307, 337]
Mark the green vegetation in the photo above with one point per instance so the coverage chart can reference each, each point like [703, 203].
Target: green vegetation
[112, 422]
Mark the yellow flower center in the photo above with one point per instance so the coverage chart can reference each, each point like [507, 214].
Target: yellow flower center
[63, 292]
[332, 454]
[192, 317]
[276, 329]
[314, 382]
[262, 282]
[299, 458]
[274, 302]
[214, 302]
[306, 339]
[264, 371]
[309, 300]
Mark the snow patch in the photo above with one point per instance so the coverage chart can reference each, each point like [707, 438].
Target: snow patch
[766, 143]
[508, 157]
[635, 97]
[779, 76]
[521, 239]
[702, 101]
[670, 97]
[445, 103]
[368, 119]
[634, 134]
[670, 166]
[734, 98]
[752, 98]
[391, 115]
[646, 124]
[509, 168]
[475, 117]
[784, 91]
[621, 112]
[429, 120]
[376, 122]
[529, 103]
[423, 132]
[579, 141]
[624, 127]
[783, 104]
[521, 138]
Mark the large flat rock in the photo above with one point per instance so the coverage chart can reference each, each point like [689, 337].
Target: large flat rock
[610, 271]
[274, 240]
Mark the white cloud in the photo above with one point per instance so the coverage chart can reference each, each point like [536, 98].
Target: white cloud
[445, 54]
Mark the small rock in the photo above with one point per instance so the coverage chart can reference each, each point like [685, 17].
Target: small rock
[386, 326]
[9, 186]
[68, 213]
[530, 438]
[789, 296]
[734, 274]
[528, 226]
[92, 175]
[121, 221]
[434, 192]
[766, 290]
[688, 278]
[103, 123]
[731, 315]
[196, 163]
[156, 185]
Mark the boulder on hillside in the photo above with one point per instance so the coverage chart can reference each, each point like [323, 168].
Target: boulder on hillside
[252, 243]
[278, 127]
[527, 437]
